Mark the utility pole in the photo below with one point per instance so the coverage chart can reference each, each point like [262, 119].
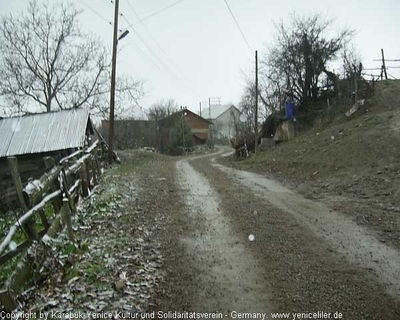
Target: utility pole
[383, 64]
[200, 108]
[112, 93]
[209, 108]
[256, 109]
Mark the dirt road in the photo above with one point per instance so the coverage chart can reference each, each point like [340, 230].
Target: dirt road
[227, 274]
[192, 235]
[240, 242]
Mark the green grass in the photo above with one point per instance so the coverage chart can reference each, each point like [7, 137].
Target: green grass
[94, 271]
[7, 268]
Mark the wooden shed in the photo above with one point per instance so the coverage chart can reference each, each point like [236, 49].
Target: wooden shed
[32, 137]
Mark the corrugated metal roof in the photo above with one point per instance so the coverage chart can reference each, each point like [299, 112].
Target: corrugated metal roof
[43, 132]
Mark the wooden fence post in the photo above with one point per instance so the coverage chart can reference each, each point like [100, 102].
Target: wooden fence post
[29, 225]
[50, 163]
[83, 174]
[67, 184]
[94, 170]
[96, 160]
[88, 171]
[45, 222]
[66, 217]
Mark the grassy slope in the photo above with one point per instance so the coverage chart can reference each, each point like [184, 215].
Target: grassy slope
[357, 158]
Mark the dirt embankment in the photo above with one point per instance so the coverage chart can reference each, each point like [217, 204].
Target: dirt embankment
[351, 164]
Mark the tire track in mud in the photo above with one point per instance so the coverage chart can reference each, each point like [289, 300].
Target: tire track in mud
[345, 236]
[228, 277]
[303, 270]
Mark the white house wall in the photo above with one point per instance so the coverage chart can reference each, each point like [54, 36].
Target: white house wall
[225, 124]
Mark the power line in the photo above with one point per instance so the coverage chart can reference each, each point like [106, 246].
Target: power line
[391, 60]
[159, 11]
[158, 44]
[148, 31]
[237, 24]
[96, 13]
[150, 49]
[380, 68]
[145, 43]
[144, 53]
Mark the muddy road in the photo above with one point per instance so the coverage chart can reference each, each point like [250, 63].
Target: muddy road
[237, 242]
[192, 235]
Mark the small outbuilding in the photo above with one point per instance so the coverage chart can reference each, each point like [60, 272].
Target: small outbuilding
[32, 137]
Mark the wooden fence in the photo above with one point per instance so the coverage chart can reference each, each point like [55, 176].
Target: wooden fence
[59, 188]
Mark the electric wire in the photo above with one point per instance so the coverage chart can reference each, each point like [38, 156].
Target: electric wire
[145, 43]
[158, 12]
[166, 68]
[150, 33]
[160, 61]
[391, 60]
[161, 48]
[238, 26]
[144, 53]
[96, 13]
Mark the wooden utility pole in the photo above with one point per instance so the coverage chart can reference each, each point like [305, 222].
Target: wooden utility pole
[209, 108]
[112, 93]
[256, 109]
[383, 64]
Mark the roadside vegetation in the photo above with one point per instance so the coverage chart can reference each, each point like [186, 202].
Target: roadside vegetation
[301, 67]
[115, 258]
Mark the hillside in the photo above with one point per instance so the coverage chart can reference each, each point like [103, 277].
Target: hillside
[351, 164]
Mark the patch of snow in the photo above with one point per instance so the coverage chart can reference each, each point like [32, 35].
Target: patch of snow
[33, 186]
[12, 245]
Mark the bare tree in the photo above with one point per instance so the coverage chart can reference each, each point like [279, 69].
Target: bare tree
[162, 109]
[301, 55]
[46, 58]
[128, 93]
[247, 104]
[271, 90]
[352, 64]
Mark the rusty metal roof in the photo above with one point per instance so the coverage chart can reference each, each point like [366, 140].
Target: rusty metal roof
[43, 132]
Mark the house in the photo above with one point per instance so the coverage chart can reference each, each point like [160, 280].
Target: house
[199, 126]
[223, 118]
[30, 138]
[131, 134]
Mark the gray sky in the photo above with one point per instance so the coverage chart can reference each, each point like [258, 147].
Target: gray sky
[197, 51]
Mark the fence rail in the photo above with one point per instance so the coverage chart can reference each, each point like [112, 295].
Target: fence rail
[59, 188]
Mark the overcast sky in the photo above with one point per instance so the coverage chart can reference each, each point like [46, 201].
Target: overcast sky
[196, 50]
